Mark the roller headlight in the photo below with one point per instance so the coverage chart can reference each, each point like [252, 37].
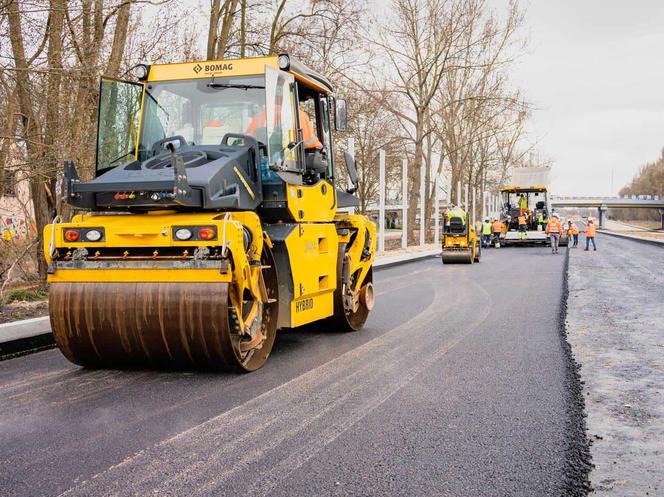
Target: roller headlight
[93, 235]
[183, 234]
[140, 72]
[283, 62]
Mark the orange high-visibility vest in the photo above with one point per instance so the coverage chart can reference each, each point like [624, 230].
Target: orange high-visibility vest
[308, 136]
[258, 121]
[553, 226]
[521, 220]
[497, 226]
[590, 230]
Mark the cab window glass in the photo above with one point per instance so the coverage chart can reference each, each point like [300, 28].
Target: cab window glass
[327, 136]
[118, 121]
[280, 102]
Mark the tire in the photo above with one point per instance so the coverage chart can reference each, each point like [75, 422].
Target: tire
[343, 320]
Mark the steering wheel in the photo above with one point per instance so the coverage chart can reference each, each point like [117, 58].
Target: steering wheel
[190, 158]
[158, 146]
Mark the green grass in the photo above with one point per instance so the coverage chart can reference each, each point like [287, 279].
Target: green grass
[27, 295]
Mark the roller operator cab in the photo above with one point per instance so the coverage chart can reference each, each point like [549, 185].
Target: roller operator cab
[212, 220]
[533, 202]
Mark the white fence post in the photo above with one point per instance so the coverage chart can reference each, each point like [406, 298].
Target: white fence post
[473, 216]
[381, 203]
[404, 201]
[458, 202]
[423, 222]
[436, 212]
[350, 148]
[465, 200]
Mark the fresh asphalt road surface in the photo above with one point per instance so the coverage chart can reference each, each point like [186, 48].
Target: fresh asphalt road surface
[456, 386]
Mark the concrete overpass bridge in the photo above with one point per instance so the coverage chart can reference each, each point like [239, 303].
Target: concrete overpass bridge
[602, 204]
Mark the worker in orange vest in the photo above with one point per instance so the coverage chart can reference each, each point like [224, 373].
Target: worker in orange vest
[590, 234]
[573, 231]
[553, 229]
[496, 229]
[309, 138]
[523, 225]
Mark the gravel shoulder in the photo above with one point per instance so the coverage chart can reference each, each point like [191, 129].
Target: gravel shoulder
[615, 326]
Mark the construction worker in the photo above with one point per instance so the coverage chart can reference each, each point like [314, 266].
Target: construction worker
[590, 234]
[457, 212]
[523, 225]
[523, 204]
[540, 221]
[486, 233]
[311, 142]
[496, 229]
[573, 231]
[553, 229]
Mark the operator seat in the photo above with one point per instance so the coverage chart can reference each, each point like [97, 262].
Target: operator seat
[456, 226]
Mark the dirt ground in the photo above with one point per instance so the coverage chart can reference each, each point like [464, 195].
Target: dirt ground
[615, 326]
[23, 310]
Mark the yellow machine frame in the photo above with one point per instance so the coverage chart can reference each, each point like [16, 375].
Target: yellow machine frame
[142, 247]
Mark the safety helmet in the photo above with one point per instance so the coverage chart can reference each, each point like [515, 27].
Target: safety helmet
[486, 220]
[555, 214]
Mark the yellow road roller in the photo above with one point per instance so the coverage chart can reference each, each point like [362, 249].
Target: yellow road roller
[213, 219]
[460, 242]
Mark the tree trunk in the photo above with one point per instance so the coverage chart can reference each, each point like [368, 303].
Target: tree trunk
[119, 40]
[414, 175]
[227, 19]
[215, 12]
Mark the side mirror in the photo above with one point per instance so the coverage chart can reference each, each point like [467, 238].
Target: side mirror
[340, 115]
[351, 167]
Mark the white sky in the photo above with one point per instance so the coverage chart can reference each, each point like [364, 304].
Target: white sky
[595, 72]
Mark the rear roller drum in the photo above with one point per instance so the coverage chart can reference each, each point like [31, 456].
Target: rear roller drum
[348, 316]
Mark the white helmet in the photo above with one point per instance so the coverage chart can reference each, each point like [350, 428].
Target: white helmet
[555, 214]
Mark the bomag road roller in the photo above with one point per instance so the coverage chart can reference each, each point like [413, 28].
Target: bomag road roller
[460, 242]
[213, 219]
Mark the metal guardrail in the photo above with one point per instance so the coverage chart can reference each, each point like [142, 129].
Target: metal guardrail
[633, 201]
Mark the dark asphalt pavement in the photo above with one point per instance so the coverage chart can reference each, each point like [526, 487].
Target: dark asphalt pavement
[457, 386]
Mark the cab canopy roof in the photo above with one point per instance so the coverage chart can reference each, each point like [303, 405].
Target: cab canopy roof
[239, 67]
[523, 189]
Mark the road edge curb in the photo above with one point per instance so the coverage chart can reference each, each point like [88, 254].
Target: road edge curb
[414, 258]
[632, 238]
[578, 458]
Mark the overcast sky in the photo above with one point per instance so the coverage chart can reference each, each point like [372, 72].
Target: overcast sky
[594, 69]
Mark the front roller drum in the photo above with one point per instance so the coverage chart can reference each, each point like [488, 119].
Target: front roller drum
[457, 256]
[171, 325]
